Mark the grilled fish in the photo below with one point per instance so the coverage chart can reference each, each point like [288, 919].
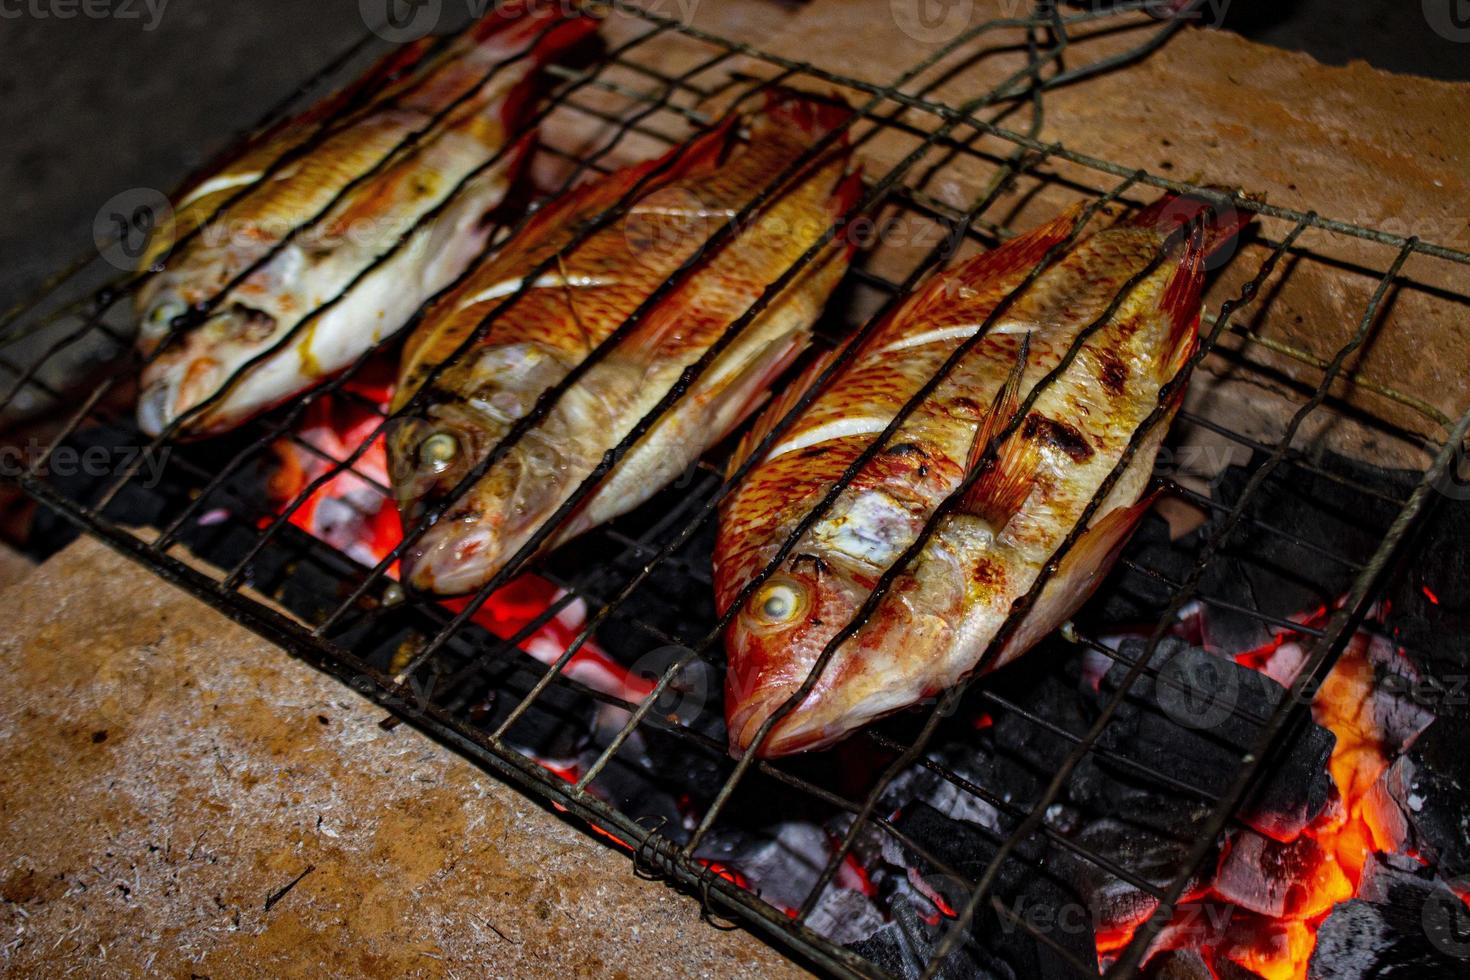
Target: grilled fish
[393, 184]
[680, 201]
[930, 630]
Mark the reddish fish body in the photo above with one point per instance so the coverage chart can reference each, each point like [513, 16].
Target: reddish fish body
[931, 628]
[402, 168]
[567, 310]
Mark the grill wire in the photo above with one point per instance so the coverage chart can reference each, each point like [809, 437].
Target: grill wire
[437, 687]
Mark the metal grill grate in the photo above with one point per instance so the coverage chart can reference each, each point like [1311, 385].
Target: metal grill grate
[341, 617]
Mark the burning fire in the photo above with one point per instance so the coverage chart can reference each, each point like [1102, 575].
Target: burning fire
[354, 513]
[1333, 850]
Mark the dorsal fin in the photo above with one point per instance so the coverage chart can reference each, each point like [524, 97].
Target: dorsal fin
[778, 408]
[1007, 479]
[1011, 260]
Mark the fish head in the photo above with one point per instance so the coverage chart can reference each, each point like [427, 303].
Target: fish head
[779, 635]
[189, 365]
[479, 516]
[776, 639]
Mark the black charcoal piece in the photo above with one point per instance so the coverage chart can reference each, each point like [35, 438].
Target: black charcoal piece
[1198, 720]
[1272, 878]
[1276, 573]
[1423, 934]
[1430, 783]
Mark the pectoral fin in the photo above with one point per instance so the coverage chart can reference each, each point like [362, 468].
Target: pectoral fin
[1008, 472]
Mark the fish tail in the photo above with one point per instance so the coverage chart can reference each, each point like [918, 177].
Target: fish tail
[1180, 303]
[844, 201]
[1220, 220]
[543, 36]
[812, 116]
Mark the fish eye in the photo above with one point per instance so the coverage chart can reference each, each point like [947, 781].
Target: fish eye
[162, 316]
[438, 451]
[779, 601]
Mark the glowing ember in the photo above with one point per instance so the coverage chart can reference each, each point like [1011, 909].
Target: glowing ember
[354, 513]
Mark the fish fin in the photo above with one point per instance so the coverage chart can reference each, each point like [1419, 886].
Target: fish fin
[547, 41]
[1084, 565]
[1220, 220]
[779, 406]
[1007, 479]
[845, 197]
[813, 116]
[745, 391]
[1180, 302]
[1012, 260]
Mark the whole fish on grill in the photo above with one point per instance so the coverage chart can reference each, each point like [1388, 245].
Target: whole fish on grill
[930, 630]
[383, 147]
[558, 319]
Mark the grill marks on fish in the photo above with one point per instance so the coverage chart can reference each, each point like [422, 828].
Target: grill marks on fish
[383, 207]
[682, 200]
[1031, 478]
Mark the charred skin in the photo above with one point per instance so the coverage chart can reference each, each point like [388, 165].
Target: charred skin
[681, 201]
[356, 129]
[929, 631]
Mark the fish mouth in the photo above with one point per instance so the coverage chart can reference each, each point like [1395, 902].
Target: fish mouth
[156, 406]
[790, 735]
[453, 561]
[172, 392]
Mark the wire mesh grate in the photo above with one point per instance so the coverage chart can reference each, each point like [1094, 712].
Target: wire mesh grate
[642, 583]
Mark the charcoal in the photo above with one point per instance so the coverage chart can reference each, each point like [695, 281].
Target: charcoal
[1146, 854]
[1384, 874]
[1189, 964]
[905, 947]
[1269, 573]
[844, 916]
[1177, 964]
[1276, 879]
[1430, 783]
[1422, 934]
[1199, 721]
[1429, 600]
[1130, 596]
[782, 862]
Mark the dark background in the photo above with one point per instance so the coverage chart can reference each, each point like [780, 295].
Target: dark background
[93, 107]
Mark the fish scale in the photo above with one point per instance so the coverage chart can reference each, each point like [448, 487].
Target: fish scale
[553, 324]
[411, 192]
[929, 630]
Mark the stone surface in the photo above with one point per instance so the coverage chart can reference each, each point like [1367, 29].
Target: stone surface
[167, 771]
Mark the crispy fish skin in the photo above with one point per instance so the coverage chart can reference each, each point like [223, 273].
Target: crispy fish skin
[930, 630]
[357, 129]
[682, 200]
